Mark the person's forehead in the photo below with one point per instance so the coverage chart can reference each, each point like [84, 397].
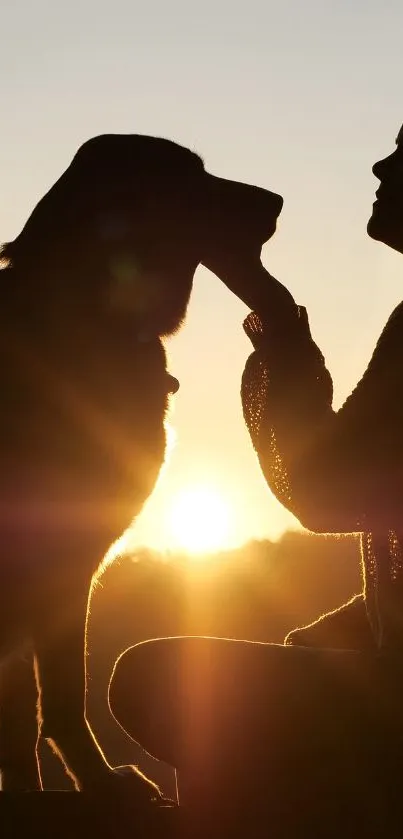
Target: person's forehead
[399, 138]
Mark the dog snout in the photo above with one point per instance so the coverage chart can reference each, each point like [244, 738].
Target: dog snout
[244, 205]
[277, 201]
[260, 203]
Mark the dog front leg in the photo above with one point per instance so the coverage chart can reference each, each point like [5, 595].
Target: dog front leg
[60, 668]
[19, 767]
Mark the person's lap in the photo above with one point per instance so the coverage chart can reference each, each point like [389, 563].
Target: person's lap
[249, 719]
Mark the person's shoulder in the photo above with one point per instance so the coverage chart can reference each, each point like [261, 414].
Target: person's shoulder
[389, 347]
[393, 329]
[397, 314]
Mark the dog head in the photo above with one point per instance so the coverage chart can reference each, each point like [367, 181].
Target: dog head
[127, 223]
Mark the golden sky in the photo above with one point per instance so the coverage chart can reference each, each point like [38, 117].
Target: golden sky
[299, 97]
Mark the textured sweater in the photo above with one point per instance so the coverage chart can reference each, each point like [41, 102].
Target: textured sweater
[337, 472]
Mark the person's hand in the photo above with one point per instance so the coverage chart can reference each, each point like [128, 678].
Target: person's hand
[233, 255]
[243, 273]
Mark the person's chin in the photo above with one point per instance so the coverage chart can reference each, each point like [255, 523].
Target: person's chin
[382, 229]
[374, 229]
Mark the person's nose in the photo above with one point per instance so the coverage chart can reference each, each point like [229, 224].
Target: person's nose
[382, 167]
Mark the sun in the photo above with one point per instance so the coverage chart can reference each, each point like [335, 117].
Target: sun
[200, 520]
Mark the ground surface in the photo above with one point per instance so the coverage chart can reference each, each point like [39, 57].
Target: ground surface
[61, 815]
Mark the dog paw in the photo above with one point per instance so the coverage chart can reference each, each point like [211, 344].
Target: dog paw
[133, 788]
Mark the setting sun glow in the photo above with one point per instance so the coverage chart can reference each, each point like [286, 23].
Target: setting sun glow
[200, 520]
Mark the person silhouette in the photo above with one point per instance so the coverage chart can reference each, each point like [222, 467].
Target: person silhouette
[340, 472]
[314, 724]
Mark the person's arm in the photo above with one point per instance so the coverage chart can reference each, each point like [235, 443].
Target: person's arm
[332, 470]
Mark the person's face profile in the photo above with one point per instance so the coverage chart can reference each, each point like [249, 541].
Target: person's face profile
[386, 222]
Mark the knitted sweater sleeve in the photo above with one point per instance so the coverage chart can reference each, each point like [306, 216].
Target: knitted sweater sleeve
[332, 470]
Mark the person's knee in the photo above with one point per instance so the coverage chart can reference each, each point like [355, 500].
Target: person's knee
[141, 686]
[143, 695]
[129, 687]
